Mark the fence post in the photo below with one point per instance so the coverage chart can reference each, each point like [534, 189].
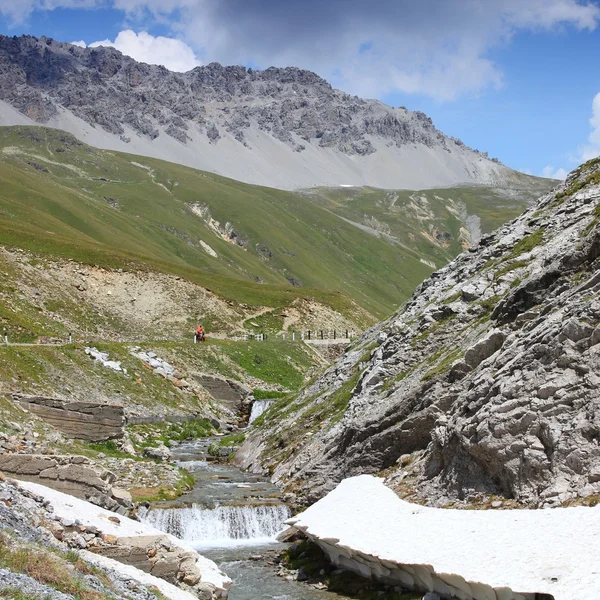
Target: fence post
[6, 337]
[309, 334]
[346, 334]
[321, 334]
[334, 334]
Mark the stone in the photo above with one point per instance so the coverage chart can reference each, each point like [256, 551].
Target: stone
[484, 348]
[160, 452]
[87, 421]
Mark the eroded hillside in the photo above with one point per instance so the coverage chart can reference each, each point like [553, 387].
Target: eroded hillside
[484, 383]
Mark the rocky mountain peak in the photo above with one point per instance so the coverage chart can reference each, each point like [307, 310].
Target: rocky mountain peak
[100, 93]
[484, 384]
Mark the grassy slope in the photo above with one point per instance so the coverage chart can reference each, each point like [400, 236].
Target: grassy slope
[53, 200]
[415, 218]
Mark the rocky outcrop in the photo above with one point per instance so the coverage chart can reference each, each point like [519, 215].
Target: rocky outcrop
[87, 421]
[75, 475]
[233, 395]
[485, 382]
[83, 526]
[230, 111]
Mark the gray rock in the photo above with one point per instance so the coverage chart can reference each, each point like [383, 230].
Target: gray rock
[484, 348]
[500, 398]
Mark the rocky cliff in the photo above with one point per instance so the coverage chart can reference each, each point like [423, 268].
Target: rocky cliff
[486, 383]
[286, 128]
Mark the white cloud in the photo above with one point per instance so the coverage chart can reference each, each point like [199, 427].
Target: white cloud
[440, 48]
[172, 53]
[19, 10]
[592, 148]
[553, 173]
[434, 47]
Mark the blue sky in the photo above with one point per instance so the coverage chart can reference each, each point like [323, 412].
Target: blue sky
[517, 78]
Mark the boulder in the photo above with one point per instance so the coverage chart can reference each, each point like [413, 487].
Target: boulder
[484, 348]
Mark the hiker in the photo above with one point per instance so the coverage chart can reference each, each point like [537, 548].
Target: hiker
[199, 336]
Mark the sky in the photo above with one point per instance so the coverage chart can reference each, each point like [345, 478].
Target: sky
[519, 79]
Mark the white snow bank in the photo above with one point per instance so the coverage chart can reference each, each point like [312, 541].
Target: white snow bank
[487, 555]
[103, 358]
[167, 589]
[71, 508]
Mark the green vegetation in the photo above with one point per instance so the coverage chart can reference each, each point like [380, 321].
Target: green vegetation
[594, 223]
[451, 299]
[579, 183]
[260, 394]
[512, 266]
[39, 369]
[444, 364]
[489, 303]
[121, 211]
[229, 441]
[235, 439]
[153, 433]
[435, 327]
[184, 484]
[49, 569]
[527, 244]
[390, 382]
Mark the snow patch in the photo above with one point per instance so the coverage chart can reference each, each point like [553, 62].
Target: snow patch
[500, 554]
[103, 358]
[73, 509]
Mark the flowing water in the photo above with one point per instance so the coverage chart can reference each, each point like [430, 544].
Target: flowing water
[258, 408]
[233, 518]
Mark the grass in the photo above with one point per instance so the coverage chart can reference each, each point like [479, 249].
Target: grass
[286, 236]
[154, 433]
[390, 382]
[442, 367]
[229, 441]
[512, 266]
[235, 439]
[48, 569]
[435, 327]
[489, 303]
[260, 394]
[527, 244]
[184, 484]
[579, 183]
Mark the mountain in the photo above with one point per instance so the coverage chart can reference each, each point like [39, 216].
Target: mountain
[286, 128]
[484, 385]
[247, 244]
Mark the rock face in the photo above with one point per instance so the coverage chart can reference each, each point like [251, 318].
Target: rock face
[74, 475]
[458, 395]
[242, 119]
[87, 421]
[231, 394]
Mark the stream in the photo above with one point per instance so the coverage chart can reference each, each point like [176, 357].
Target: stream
[233, 518]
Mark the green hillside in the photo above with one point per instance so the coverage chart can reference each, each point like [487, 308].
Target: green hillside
[61, 197]
[434, 224]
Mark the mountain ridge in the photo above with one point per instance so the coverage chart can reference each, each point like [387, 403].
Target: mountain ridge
[282, 127]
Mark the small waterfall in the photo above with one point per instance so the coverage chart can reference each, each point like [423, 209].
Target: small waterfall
[258, 408]
[221, 526]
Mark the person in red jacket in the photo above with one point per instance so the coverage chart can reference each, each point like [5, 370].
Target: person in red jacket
[200, 335]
